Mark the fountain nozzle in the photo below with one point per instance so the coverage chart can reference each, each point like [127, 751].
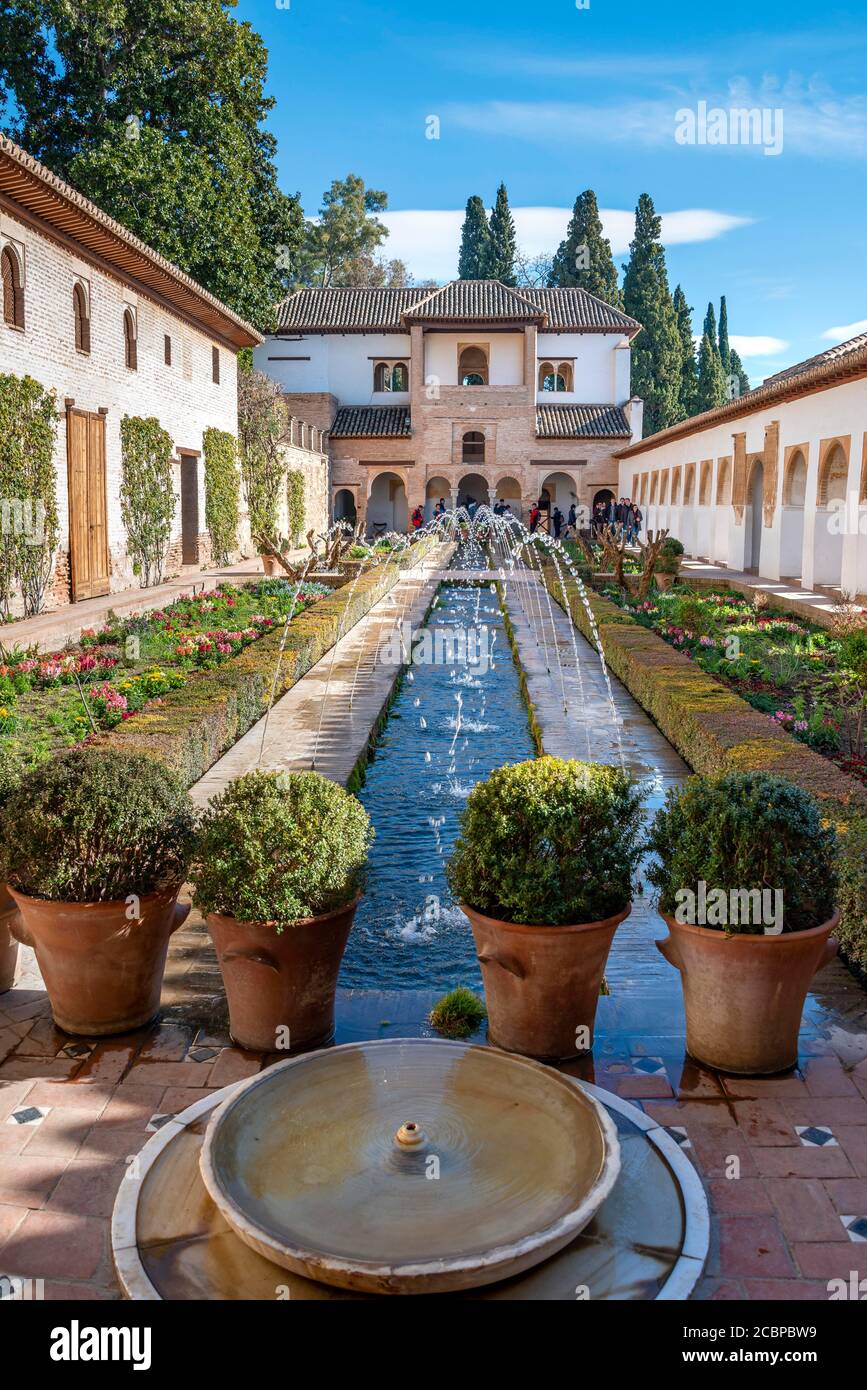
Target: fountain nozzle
[410, 1135]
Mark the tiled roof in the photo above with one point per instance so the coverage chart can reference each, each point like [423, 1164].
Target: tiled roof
[481, 300]
[361, 310]
[372, 422]
[346, 310]
[576, 310]
[32, 187]
[581, 422]
[829, 355]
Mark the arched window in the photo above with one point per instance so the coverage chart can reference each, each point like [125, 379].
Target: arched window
[473, 447]
[689, 485]
[129, 340]
[473, 367]
[82, 319]
[382, 377]
[13, 290]
[400, 377]
[675, 488]
[557, 378]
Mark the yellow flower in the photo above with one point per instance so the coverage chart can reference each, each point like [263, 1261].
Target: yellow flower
[3, 712]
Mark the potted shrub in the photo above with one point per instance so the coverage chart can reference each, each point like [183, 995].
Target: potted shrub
[667, 566]
[543, 869]
[95, 845]
[747, 884]
[12, 769]
[278, 874]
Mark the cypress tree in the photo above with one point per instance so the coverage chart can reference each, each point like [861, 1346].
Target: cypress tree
[474, 259]
[502, 228]
[736, 371]
[688, 367]
[711, 378]
[724, 348]
[656, 351]
[710, 327]
[584, 257]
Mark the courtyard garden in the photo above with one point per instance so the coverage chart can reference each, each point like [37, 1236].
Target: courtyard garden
[49, 701]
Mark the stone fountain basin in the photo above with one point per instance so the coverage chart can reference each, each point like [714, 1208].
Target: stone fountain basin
[503, 1164]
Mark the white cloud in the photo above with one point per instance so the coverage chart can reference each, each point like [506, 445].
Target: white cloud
[756, 345]
[428, 241]
[845, 331]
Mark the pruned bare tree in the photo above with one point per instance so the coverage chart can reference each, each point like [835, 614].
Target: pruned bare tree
[649, 555]
[614, 552]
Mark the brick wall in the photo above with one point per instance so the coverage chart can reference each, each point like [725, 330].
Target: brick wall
[182, 396]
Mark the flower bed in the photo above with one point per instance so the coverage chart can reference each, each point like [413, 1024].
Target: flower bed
[810, 681]
[48, 702]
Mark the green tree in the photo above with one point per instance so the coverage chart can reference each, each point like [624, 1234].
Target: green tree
[155, 110]
[656, 351]
[147, 497]
[262, 423]
[709, 328]
[474, 258]
[711, 378]
[584, 257]
[503, 244]
[737, 374]
[724, 348]
[344, 232]
[688, 367]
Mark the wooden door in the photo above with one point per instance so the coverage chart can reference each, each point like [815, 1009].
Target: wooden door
[189, 509]
[88, 506]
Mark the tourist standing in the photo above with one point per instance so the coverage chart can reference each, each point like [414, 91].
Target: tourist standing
[557, 522]
[534, 517]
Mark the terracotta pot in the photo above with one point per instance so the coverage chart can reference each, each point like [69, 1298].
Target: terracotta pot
[663, 579]
[744, 994]
[542, 983]
[8, 944]
[281, 980]
[103, 972]
[270, 565]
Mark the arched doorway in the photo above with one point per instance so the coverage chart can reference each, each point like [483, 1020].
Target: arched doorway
[558, 490]
[722, 512]
[386, 504]
[436, 488]
[830, 516]
[472, 487]
[509, 490]
[792, 517]
[473, 367]
[344, 505]
[753, 518]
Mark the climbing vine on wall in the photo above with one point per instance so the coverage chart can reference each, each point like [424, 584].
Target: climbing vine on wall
[262, 423]
[222, 493]
[147, 497]
[295, 503]
[28, 491]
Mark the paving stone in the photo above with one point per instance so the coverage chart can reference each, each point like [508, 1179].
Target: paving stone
[51, 1244]
[853, 1142]
[831, 1260]
[825, 1077]
[753, 1246]
[740, 1197]
[805, 1210]
[234, 1065]
[764, 1122]
[28, 1181]
[60, 1135]
[848, 1194]
[88, 1188]
[802, 1163]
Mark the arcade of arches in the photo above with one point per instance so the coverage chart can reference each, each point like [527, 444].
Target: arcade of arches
[387, 498]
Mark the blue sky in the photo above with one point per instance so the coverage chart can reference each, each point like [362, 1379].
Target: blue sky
[554, 99]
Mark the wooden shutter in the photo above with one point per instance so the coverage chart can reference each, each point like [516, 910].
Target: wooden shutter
[88, 509]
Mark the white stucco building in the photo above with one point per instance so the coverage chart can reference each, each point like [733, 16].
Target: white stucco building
[113, 329]
[774, 482]
[472, 389]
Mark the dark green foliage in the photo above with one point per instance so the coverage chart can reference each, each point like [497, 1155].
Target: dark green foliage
[746, 830]
[736, 371]
[656, 352]
[668, 561]
[711, 380]
[278, 847]
[458, 1014]
[502, 230]
[156, 111]
[584, 257]
[222, 493]
[548, 842]
[688, 391]
[343, 238]
[295, 504]
[724, 348]
[852, 931]
[709, 329]
[476, 255]
[96, 825]
[28, 489]
[147, 498]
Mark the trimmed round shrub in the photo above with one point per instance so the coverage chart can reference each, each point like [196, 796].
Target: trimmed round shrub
[277, 847]
[548, 843]
[95, 825]
[745, 831]
[668, 559]
[852, 864]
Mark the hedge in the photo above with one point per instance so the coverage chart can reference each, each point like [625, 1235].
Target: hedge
[197, 724]
[712, 728]
[715, 730]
